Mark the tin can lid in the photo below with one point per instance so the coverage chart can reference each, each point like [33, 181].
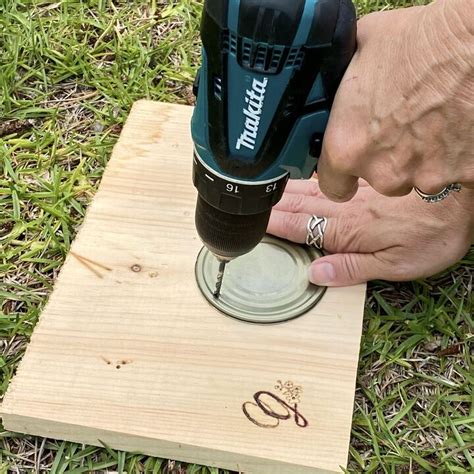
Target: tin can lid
[268, 285]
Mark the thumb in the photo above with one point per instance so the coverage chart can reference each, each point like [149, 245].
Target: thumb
[345, 269]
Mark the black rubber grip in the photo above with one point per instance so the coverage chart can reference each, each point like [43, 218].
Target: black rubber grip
[229, 235]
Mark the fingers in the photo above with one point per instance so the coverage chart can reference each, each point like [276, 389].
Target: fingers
[334, 270]
[431, 186]
[341, 235]
[347, 269]
[386, 177]
[303, 204]
[289, 226]
[311, 187]
[359, 240]
[336, 183]
[308, 187]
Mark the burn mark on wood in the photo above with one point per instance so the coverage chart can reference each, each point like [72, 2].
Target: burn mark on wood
[118, 363]
[269, 410]
[290, 391]
[91, 264]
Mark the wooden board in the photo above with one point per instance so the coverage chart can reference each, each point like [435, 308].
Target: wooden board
[128, 352]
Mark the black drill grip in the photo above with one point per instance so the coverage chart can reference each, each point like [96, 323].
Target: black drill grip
[229, 235]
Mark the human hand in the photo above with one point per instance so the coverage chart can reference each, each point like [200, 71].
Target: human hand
[404, 112]
[377, 237]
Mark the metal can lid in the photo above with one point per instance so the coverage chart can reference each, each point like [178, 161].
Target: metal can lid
[268, 285]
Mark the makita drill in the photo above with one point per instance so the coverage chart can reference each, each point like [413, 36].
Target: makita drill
[270, 71]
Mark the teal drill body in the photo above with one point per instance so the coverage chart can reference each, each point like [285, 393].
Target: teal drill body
[270, 71]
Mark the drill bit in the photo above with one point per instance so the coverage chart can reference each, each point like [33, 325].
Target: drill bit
[220, 278]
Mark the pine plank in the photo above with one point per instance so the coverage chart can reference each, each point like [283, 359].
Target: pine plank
[127, 352]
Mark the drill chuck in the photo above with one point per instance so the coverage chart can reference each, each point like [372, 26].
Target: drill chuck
[229, 236]
[232, 215]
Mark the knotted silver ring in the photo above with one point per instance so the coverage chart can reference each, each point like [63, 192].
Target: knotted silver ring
[441, 196]
[315, 231]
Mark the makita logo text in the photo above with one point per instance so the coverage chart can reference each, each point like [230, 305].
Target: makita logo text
[254, 98]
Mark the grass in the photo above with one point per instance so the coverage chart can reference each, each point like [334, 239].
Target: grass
[69, 72]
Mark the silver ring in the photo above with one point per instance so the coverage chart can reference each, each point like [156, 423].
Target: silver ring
[315, 231]
[443, 194]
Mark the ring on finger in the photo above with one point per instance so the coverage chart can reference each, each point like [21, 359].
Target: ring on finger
[441, 196]
[316, 229]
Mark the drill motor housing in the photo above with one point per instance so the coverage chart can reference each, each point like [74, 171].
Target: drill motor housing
[270, 71]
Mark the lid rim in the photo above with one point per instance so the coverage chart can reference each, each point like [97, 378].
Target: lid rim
[285, 312]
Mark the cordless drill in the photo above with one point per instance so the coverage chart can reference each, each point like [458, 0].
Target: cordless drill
[270, 71]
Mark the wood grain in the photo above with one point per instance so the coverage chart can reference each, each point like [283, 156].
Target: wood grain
[128, 352]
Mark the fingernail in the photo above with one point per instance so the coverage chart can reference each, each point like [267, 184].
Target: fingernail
[322, 273]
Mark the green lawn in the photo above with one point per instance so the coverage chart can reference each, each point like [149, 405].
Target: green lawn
[69, 72]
